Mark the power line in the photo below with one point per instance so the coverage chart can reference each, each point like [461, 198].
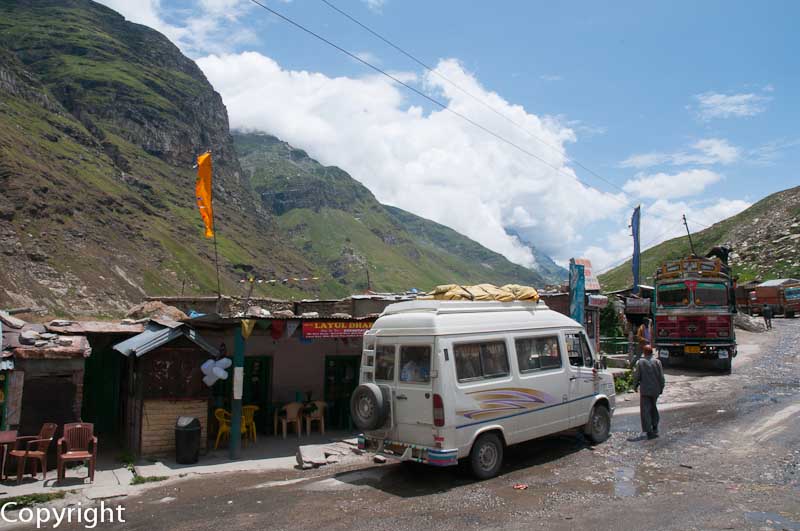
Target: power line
[425, 96]
[464, 91]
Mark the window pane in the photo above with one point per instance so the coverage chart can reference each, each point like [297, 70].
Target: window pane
[384, 363]
[538, 353]
[588, 360]
[708, 294]
[673, 295]
[468, 361]
[574, 350]
[494, 359]
[415, 364]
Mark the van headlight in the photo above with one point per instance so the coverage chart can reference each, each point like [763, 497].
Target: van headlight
[722, 353]
[663, 353]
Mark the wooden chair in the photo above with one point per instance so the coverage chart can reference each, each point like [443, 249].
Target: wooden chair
[36, 447]
[249, 420]
[318, 415]
[224, 430]
[293, 414]
[77, 444]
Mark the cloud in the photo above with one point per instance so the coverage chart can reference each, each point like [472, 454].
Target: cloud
[661, 221]
[706, 151]
[682, 184]
[431, 163]
[712, 105]
[214, 26]
[769, 152]
[369, 57]
[375, 5]
[550, 77]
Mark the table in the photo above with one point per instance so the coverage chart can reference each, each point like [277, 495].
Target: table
[6, 437]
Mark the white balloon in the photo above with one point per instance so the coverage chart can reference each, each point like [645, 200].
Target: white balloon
[223, 363]
[207, 366]
[209, 379]
[220, 373]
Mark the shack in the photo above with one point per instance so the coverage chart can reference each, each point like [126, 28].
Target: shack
[162, 382]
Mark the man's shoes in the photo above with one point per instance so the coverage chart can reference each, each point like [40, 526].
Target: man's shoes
[638, 438]
[652, 435]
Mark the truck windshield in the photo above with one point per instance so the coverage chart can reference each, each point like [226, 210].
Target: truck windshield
[792, 293]
[673, 295]
[710, 294]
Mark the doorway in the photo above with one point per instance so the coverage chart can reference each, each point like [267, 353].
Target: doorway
[341, 379]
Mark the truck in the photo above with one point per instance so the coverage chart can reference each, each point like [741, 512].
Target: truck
[782, 294]
[693, 307]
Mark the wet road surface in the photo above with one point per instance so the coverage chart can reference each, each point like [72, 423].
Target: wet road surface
[728, 458]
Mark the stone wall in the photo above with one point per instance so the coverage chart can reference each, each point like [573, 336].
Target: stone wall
[158, 423]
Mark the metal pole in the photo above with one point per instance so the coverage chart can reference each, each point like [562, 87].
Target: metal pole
[235, 446]
[691, 244]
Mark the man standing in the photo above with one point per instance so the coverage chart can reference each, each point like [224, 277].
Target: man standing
[767, 311]
[648, 379]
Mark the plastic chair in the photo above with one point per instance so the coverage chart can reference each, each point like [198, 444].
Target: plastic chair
[318, 415]
[249, 420]
[224, 420]
[36, 447]
[74, 446]
[293, 415]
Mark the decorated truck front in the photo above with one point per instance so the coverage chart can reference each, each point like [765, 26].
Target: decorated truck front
[694, 308]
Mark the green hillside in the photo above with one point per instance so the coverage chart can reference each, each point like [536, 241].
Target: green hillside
[339, 224]
[765, 239]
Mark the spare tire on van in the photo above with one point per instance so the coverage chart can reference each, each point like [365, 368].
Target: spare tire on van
[368, 407]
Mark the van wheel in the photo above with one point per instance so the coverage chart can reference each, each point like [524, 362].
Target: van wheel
[599, 425]
[486, 456]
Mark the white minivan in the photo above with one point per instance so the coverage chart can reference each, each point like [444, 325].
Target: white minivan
[442, 381]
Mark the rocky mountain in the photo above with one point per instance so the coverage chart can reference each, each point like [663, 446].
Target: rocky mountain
[100, 122]
[545, 266]
[765, 239]
[339, 224]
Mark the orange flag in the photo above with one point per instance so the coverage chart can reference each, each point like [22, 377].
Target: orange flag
[203, 192]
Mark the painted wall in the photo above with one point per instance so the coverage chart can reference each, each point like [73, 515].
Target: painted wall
[296, 365]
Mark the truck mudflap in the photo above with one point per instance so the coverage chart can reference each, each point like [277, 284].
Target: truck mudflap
[400, 451]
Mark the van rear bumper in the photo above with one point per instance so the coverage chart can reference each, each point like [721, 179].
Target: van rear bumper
[401, 451]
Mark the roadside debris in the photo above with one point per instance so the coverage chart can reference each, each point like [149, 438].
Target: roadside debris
[751, 324]
[520, 486]
[379, 459]
[317, 455]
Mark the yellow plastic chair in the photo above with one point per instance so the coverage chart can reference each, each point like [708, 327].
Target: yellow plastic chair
[224, 419]
[293, 415]
[249, 420]
[318, 415]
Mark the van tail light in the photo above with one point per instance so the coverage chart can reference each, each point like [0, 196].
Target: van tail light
[438, 411]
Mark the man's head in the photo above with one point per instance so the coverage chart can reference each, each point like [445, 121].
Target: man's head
[647, 350]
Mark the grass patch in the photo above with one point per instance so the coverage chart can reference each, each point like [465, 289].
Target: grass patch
[139, 480]
[29, 500]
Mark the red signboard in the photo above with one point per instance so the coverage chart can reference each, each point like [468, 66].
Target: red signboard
[327, 329]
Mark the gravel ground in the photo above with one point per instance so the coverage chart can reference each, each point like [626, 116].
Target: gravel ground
[728, 458]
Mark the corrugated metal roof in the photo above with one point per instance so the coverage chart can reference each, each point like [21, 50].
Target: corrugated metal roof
[156, 335]
[778, 282]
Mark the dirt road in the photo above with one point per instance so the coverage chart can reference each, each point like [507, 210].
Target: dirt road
[728, 458]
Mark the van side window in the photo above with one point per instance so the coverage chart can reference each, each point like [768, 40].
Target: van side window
[476, 361]
[384, 363]
[415, 364]
[538, 353]
[578, 350]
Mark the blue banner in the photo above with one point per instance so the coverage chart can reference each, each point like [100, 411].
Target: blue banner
[577, 282]
[635, 222]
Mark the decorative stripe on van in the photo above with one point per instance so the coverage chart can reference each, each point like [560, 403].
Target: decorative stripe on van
[525, 412]
[495, 402]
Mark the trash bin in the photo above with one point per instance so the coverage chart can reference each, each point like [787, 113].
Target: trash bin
[187, 440]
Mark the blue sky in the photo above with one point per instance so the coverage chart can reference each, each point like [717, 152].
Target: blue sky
[684, 106]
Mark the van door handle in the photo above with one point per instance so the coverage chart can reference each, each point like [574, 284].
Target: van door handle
[573, 378]
[402, 397]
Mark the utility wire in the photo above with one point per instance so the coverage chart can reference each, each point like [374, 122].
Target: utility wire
[429, 98]
[464, 91]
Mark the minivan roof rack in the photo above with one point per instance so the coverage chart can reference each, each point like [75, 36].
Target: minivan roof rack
[444, 307]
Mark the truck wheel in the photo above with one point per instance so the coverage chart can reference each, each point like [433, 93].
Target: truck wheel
[790, 315]
[486, 456]
[599, 425]
[724, 366]
[367, 407]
